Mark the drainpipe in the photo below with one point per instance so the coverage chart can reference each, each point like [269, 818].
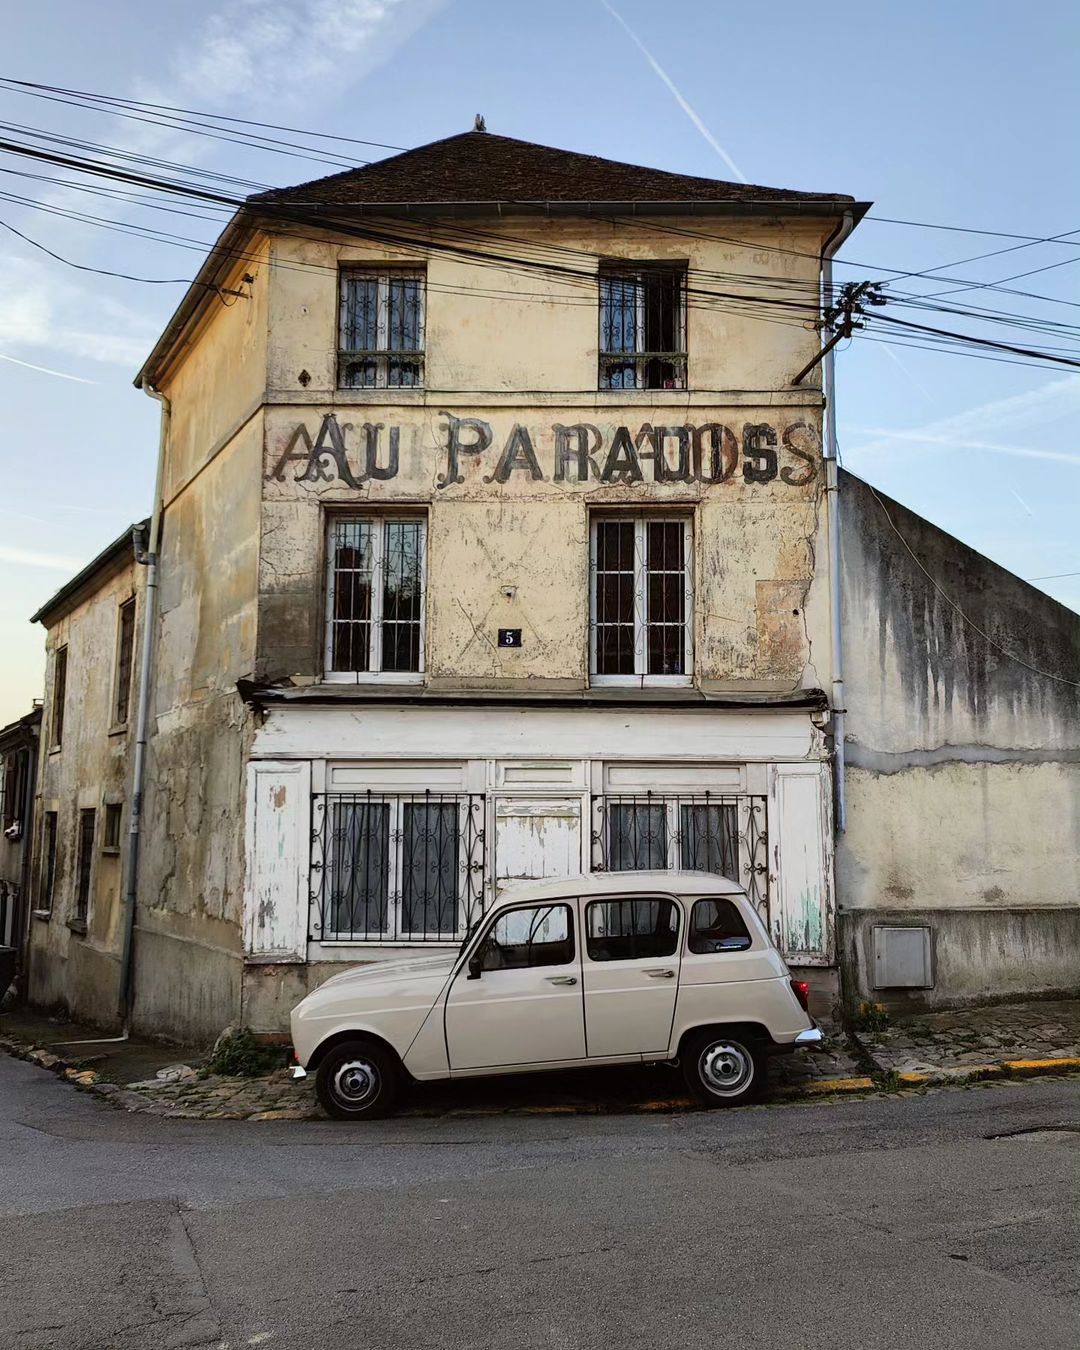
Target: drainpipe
[149, 559]
[832, 507]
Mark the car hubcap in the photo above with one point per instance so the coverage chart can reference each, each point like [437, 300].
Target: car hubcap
[356, 1082]
[726, 1069]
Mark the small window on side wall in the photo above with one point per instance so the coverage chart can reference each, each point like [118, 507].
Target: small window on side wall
[125, 652]
[110, 842]
[717, 926]
[59, 694]
[381, 328]
[375, 597]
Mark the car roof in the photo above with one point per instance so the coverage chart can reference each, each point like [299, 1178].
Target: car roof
[618, 883]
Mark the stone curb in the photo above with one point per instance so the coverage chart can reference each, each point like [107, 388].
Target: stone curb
[88, 1080]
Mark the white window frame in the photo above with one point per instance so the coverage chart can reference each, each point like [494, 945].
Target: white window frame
[641, 519]
[375, 672]
[382, 276]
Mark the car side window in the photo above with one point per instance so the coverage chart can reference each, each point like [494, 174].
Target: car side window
[542, 935]
[717, 926]
[625, 930]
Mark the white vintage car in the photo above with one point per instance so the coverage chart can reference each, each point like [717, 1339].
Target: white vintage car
[613, 968]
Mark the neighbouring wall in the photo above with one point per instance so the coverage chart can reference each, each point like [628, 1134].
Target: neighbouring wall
[963, 778]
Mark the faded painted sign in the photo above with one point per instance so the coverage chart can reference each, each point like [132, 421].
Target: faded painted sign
[467, 449]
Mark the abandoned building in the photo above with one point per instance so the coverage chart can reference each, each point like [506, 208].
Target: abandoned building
[494, 537]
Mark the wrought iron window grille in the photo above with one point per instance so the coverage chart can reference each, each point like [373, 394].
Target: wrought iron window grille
[381, 329]
[701, 832]
[643, 326]
[396, 867]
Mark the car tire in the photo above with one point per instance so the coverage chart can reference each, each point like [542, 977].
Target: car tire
[724, 1068]
[359, 1080]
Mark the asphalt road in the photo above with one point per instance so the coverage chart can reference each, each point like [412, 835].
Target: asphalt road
[887, 1222]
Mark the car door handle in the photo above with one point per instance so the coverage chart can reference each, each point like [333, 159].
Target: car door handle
[660, 974]
[562, 979]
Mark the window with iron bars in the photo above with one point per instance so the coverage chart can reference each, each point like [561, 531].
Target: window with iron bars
[702, 832]
[375, 597]
[641, 627]
[643, 326]
[393, 867]
[381, 329]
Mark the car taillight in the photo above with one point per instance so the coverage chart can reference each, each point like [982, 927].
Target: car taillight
[801, 990]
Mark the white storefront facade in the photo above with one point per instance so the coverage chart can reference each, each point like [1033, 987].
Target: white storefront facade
[378, 828]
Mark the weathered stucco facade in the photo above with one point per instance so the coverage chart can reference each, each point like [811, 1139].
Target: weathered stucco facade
[494, 544]
[963, 756]
[83, 791]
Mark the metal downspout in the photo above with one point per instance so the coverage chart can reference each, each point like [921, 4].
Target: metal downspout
[149, 559]
[832, 507]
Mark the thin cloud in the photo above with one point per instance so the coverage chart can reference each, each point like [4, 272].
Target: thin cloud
[662, 75]
[1057, 399]
[30, 558]
[46, 370]
[959, 443]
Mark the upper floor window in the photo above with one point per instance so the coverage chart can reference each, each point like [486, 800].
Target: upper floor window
[643, 326]
[375, 596]
[381, 329]
[59, 694]
[642, 600]
[125, 651]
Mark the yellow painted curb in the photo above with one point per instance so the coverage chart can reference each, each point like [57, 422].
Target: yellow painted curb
[826, 1085]
[1030, 1067]
[913, 1079]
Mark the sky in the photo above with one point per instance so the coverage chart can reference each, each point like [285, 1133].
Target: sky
[950, 114]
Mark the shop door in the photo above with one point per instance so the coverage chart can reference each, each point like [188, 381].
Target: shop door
[536, 838]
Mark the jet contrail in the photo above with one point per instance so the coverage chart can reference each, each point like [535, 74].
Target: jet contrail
[663, 75]
[44, 370]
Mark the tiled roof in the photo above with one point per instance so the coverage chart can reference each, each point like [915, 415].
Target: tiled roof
[480, 167]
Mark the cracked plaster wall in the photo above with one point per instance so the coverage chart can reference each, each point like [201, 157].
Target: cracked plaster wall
[69, 968]
[531, 362]
[963, 784]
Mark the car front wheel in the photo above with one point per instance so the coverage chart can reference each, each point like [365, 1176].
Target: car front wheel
[724, 1069]
[358, 1080]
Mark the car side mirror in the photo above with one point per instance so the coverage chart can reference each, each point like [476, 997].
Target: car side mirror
[476, 965]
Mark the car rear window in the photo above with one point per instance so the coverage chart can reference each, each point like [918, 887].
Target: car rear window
[717, 926]
[624, 930]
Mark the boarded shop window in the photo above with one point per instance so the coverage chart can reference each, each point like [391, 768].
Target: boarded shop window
[381, 329]
[87, 827]
[125, 650]
[375, 596]
[59, 694]
[643, 326]
[642, 600]
[48, 862]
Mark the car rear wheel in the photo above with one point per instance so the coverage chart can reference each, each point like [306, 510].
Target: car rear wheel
[358, 1080]
[724, 1069]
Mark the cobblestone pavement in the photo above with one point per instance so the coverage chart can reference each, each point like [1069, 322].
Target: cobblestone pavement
[946, 1045]
[276, 1096]
[977, 1036]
